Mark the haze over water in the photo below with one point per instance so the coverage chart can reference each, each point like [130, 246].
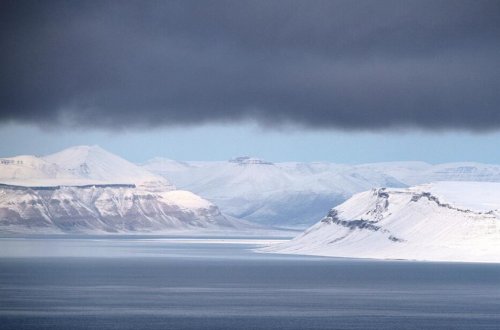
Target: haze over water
[162, 283]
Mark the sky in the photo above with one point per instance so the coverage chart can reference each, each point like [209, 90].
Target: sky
[344, 81]
[223, 142]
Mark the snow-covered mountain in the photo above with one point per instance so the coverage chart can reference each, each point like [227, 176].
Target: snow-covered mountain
[80, 165]
[87, 189]
[297, 194]
[284, 194]
[31, 170]
[414, 173]
[443, 221]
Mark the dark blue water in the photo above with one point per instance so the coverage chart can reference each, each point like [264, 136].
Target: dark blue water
[165, 284]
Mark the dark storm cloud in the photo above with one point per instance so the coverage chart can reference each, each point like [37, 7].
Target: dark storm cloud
[319, 64]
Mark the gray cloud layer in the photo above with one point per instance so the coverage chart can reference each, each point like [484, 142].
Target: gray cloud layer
[320, 64]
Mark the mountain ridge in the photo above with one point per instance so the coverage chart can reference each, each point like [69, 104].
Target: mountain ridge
[427, 222]
[296, 194]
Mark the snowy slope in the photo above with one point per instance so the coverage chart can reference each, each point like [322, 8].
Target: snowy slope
[443, 221]
[414, 173]
[97, 165]
[297, 194]
[31, 170]
[285, 194]
[87, 189]
[81, 165]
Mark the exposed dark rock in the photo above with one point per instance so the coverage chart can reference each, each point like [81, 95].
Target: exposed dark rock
[381, 206]
[432, 198]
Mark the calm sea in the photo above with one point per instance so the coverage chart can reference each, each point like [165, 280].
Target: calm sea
[166, 283]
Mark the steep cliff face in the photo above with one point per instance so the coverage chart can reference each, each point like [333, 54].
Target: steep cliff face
[105, 209]
[449, 221]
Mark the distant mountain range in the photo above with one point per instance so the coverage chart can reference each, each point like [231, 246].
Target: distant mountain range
[87, 189]
[444, 221]
[294, 194]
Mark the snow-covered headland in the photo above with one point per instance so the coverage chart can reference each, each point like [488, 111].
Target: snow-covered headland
[442, 221]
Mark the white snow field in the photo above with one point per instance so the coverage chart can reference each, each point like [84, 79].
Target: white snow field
[281, 194]
[298, 194]
[89, 190]
[80, 165]
[442, 221]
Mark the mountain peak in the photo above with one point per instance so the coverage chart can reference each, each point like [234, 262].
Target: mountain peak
[84, 150]
[95, 163]
[76, 156]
